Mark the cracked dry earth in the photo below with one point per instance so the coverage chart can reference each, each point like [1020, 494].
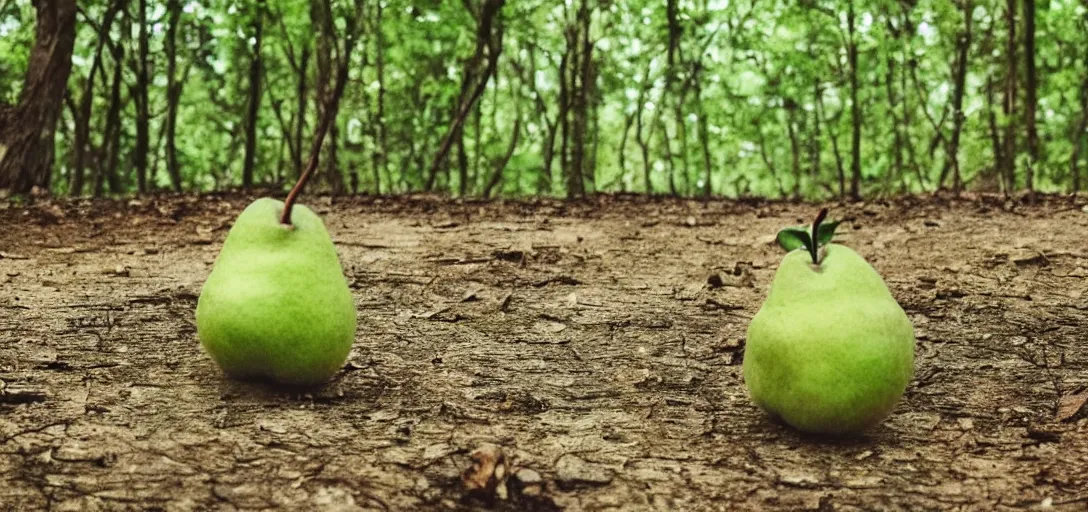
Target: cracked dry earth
[550, 356]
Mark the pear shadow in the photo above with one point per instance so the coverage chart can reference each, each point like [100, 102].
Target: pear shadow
[260, 387]
[347, 385]
[851, 440]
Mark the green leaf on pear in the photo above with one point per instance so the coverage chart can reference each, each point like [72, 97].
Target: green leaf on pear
[826, 232]
[798, 237]
[794, 238]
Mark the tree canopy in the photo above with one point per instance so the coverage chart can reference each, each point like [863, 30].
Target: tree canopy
[810, 99]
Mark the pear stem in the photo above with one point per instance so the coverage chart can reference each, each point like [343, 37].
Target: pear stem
[331, 107]
[814, 248]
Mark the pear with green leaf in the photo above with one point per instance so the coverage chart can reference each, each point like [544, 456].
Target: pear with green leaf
[830, 351]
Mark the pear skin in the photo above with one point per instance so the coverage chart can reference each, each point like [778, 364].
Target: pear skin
[830, 351]
[276, 305]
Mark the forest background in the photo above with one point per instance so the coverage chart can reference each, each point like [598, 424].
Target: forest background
[809, 99]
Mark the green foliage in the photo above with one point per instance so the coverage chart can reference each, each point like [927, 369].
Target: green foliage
[16, 37]
[757, 96]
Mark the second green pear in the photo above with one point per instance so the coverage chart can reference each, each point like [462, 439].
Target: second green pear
[830, 351]
[276, 305]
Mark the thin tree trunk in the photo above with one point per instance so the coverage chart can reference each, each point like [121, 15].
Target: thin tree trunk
[1031, 95]
[908, 127]
[321, 14]
[500, 166]
[666, 148]
[173, 92]
[547, 145]
[330, 107]
[1078, 137]
[578, 34]
[286, 125]
[644, 144]
[585, 167]
[477, 152]
[704, 132]
[300, 118]
[26, 156]
[995, 137]
[896, 124]
[488, 39]
[111, 141]
[795, 147]
[768, 162]
[672, 17]
[140, 93]
[855, 107]
[82, 116]
[821, 114]
[382, 152]
[565, 101]
[628, 121]
[1009, 151]
[814, 148]
[254, 97]
[958, 117]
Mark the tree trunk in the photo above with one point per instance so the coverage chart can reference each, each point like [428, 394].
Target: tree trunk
[578, 38]
[587, 169]
[111, 141]
[140, 93]
[329, 107]
[489, 33]
[995, 135]
[566, 104]
[547, 145]
[468, 179]
[174, 88]
[815, 150]
[381, 153]
[1031, 95]
[855, 107]
[821, 116]
[628, 121]
[908, 127]
[321, 15]
[1009, 150]
[1078, 137]
[82, 116]
[896, 124]
[771, 168]
[500, 166]
[643, 144]
[26, 129]
[958, 117]
[675, 31]
[666, 149]
[704, 132]
[462, 163]
[254, 97]
[300, 117]
[795, 147]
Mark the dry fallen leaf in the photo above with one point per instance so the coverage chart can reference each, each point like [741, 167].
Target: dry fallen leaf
[1070, 405]
[488, 471]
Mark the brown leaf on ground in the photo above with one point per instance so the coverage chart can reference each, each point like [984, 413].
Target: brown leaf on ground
[488, 471]
[1070, 405]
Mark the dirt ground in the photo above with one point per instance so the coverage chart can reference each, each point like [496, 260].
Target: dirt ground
[596, 346]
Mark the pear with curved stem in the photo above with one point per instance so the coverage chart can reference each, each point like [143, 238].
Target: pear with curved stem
[276, 305]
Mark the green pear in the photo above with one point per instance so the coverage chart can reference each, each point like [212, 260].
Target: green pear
[276, 305]
[830, 351]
